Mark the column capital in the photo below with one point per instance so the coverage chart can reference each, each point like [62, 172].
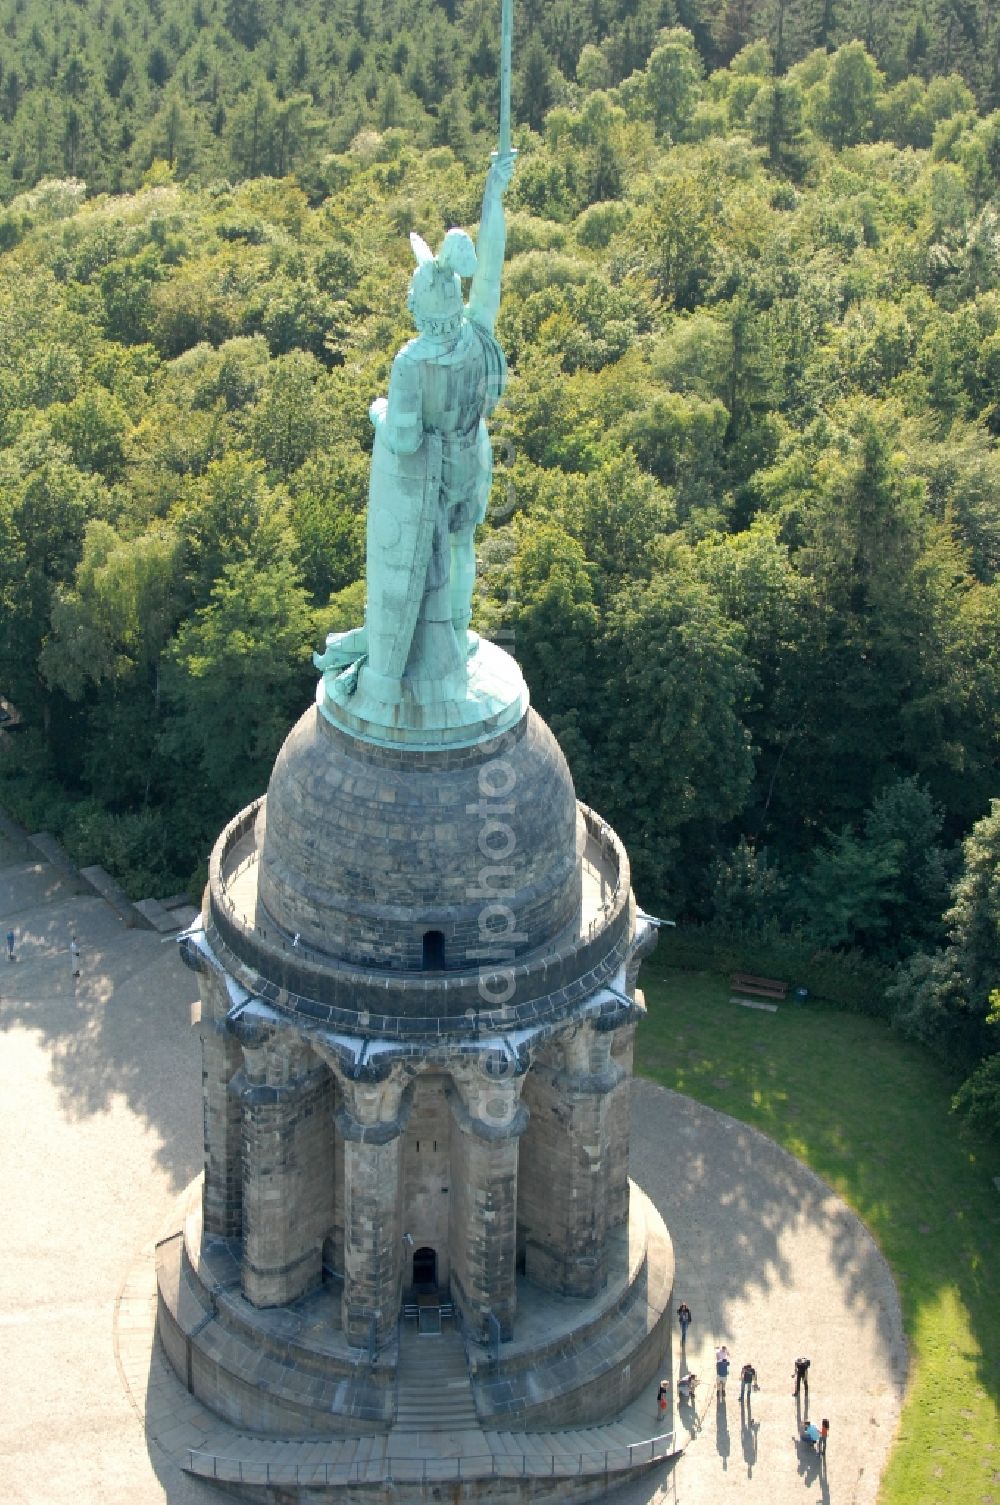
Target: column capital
[488, 1108]
[276, 1063]
[591, 1084]
[374, 1112]
[580, 1060]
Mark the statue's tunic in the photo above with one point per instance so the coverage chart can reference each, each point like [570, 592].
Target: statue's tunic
[429, 488]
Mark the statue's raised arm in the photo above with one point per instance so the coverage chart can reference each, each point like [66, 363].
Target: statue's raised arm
[491, 244]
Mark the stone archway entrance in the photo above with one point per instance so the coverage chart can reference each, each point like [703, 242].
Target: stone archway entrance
[425, 1277]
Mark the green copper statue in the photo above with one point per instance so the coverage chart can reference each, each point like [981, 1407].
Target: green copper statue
[432, 463]
[414, 673]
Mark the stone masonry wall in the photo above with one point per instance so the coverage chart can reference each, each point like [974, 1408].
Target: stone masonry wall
[407, 841]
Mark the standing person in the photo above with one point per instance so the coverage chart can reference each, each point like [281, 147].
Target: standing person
[11, 938]
[74, 958]
[801, 1376]
[661, 1396]
[684, 1318]
[824, 1432]
[721, 1371]
[748, 1379]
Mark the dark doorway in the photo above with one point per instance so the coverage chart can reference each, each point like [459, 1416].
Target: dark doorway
[425, 1266]
[433, 950]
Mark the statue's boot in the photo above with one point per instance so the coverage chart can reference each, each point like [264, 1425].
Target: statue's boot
[342, 649]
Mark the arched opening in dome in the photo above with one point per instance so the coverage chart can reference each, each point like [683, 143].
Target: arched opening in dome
[433, 951]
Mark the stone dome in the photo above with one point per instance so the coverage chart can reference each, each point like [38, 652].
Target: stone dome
[420, 861]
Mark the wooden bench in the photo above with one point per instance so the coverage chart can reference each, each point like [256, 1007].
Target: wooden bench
[763, 987]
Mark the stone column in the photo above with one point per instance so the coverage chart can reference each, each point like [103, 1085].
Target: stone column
[221, 1059]
[619, 1123]
[566, 1159]
[620, 1027]
[370, 1123]
[482, 1234]
[286, 1099]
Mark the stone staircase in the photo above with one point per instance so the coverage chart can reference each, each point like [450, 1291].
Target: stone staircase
[436, 1443]
[581, 1465]
[433, 1389]
[614, 1449]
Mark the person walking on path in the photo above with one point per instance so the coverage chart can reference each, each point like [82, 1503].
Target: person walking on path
[11, 939]
[74, 958]
[661, 1397]
[801, 1376]
[824, 1432]
[684, 1318]
[748, 1382]
[721, 1371]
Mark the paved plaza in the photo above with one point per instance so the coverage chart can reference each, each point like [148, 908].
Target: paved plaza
[102, 1131]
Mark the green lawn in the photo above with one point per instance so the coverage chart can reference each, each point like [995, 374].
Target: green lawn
[868, 1113]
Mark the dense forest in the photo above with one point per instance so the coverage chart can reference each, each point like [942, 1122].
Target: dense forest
[99, 89]
[745, 538]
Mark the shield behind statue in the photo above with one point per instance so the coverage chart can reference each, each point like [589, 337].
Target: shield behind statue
[402, 511]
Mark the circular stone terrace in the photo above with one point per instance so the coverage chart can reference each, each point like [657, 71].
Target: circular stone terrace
[544, 985]
[106, 1072]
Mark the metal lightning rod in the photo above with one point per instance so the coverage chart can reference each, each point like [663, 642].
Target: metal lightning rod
[506, 51]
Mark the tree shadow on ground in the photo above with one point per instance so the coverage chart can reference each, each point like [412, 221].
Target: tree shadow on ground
[122, 1029]
[750, 1194]
[871, 1112]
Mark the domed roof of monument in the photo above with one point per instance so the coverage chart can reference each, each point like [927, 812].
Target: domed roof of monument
[439, 860]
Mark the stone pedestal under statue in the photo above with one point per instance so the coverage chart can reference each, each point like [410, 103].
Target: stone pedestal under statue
[417, 1022]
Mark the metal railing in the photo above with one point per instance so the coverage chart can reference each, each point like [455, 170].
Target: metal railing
[237, 872]
[402, 1470]
[305, 977]
[611, 856]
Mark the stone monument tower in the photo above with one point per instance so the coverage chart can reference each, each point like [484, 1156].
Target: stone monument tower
[417, 960]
